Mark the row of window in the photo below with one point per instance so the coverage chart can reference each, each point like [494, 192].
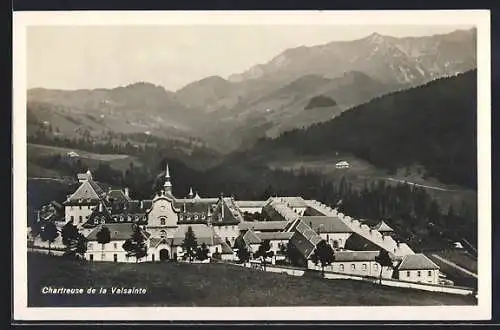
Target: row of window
[419, 273]
[80, 218]
[194, 217]
[364, 267]
[80, 207]
[90, 246]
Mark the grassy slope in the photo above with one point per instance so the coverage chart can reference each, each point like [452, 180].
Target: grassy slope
[361, 171]
[171, 284]
[118, 162]
[457, 276]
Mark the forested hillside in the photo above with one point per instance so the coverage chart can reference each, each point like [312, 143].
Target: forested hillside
[433, 125]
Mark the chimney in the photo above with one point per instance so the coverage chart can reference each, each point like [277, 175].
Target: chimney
[100, 207]
[126, 191]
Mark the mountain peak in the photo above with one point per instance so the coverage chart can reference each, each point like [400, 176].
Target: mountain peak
[375, 37]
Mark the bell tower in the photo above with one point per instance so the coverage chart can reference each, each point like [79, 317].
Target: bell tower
[167, 186]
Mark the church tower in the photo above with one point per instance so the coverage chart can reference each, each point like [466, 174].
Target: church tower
[167, 186]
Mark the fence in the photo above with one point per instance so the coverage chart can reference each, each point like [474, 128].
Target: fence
[385, 281]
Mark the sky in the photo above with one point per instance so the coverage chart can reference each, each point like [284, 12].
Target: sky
[79, 57]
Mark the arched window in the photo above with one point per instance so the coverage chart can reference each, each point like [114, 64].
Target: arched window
[353, 266]
[163, 234]
[341, 267]
[163, 221]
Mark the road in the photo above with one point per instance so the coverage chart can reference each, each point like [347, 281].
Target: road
[452, 264]
[419, 185]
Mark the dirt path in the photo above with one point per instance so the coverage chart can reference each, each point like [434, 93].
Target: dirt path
[452, 264]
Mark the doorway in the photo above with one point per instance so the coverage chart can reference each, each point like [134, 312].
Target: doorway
[164, 255]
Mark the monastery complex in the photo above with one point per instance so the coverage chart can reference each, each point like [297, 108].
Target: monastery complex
[220, 221]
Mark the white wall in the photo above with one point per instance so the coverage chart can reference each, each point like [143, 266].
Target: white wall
[341, 238]
[250, 209]
[424, 276]
[361, 268]
[80, 213]
[230, 232]
[162, 209]
[110, 249]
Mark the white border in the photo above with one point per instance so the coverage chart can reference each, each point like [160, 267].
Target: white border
[478, 18]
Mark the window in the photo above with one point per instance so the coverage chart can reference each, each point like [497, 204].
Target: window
[91, 257]
[162, 221]
[418, 273]
[80, 207]
[341, 267]
[364, 267]
[90, 246]
[115, 245]
[375, 267]
[72, 218]
[353, 266]
[153, 257]
[408, 273]
[163, 234]
[429, 273]
[80, 219]
[115, 257]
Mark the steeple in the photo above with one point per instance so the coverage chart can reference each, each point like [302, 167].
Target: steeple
[167, 186]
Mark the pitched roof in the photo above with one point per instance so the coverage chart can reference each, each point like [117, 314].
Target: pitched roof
[251, 238]
[325, 224]
[89, 191]
[263, 225]
[305, 239]
[193, 206]
[203, 233]
[277, 235]
[250, 203]
[417, 262]
[196, 199]
[383, 227]
[295, 201]
[278, 210]
[226, 213]
[118, 231]
[225, 248]
[356, 255]
[155, 241]
[117, 195]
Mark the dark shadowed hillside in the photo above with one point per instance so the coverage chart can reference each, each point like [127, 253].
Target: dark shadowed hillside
[433, 125]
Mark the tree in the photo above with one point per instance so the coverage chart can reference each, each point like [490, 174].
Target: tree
[264, 252]
[36, 228]
[103, 237]
[384, 260]
[293, 254]
[202, 252]
[241, 250]
[136, 244]
[190, 244]
[76, 243]
[49, 233]
[323, 254]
